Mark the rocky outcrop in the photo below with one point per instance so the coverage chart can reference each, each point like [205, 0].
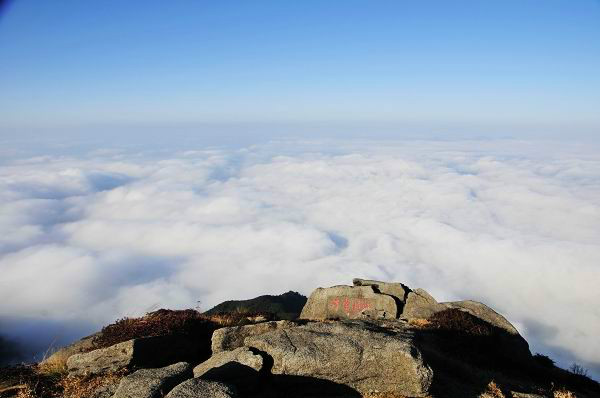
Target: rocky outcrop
[371, 299]
[420, 305]
[144, 352]
[349, 302]
[366, 359]
[198, 388]
[60, 357]
[153, 383]
[230, 338]
[484, 312]
[394, 289]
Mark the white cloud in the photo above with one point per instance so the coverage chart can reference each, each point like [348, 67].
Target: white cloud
[111, 234]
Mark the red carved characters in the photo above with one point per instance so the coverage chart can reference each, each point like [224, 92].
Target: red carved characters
[351, 306]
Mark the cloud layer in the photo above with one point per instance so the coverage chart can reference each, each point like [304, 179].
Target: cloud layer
[87, 239]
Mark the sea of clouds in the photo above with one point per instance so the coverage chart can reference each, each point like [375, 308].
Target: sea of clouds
[89, 238]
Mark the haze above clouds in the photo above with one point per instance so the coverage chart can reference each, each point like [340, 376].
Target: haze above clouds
[516, 224]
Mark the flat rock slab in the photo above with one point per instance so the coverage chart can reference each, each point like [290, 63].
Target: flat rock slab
[349, 302]
[354, 354]
[144, 352]
[230, 338]
[198, 388]
[153, 383]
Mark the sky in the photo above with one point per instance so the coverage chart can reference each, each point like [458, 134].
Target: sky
[433, 67]
[156, 154]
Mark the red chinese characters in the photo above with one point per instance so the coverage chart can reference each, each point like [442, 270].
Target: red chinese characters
[351, 306]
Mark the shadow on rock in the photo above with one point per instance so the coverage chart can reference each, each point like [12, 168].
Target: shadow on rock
[303, 386]
[466, 354]
[251, 383]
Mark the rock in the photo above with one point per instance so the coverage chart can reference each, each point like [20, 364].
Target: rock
[153, 383]
[198, 388]
[420, 305]
[525, 395]
[397, 290]
[58, 360]
[356, 354]
[485, 313]
[104, 391]
[348, 302]
[103, 360]
[144, 352]
[241, 355]
[230, 338]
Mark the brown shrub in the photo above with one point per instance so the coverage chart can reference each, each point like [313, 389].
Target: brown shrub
[169, 322]
[456, 320]
[85, 386]
[562, 393]
[492, 391]
[157, 323]
[419, 323]
[27, 382]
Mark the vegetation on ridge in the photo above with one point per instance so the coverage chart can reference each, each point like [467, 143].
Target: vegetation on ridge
[284, 306]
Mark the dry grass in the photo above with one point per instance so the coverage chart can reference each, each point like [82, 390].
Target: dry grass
[461, 321]
[50, 379]
[168, 322]
[85, 386]
[33, 382]
[419, 323]
[562, 393]
[157, 323]
[492, 391]
[58, 366]
[28, 382]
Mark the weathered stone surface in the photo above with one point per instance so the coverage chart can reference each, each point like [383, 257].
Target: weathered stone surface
[420, 305]
[59, 358]
[484, 312]
[230, 338]
[524, 395]
[153, 383]
[241, 355]
[143, 352]
[348, 302]
[397, 290]
[354, 354]
[103, 360]
[105, 390]
[198, 388]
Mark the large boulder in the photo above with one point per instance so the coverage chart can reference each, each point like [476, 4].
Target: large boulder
[420, 305]
[145, 352]
[153, 383]
[349, 302]
[230, 338]
[361, 356]
[485, 313]
[198, 388]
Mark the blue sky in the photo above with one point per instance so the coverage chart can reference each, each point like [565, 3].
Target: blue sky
[487, 66]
